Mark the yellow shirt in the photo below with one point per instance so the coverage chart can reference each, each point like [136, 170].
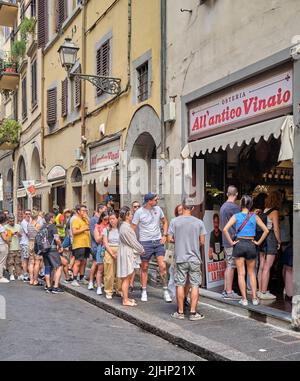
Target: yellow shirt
[82, 240]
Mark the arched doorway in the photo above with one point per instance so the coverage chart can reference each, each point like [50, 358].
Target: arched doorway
[143, 142]
[35, 169]
[21, 176]
[36, 175]
[76, 180]
[9, 190]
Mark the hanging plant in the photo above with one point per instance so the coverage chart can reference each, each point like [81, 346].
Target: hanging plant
[27, 27]
[10, 132]
[18, 50]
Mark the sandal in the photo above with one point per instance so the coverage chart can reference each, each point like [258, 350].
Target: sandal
[131, 304]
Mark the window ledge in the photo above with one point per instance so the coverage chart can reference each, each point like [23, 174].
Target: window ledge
[34, 107]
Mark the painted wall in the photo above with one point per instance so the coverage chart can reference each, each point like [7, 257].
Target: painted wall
[217, 39]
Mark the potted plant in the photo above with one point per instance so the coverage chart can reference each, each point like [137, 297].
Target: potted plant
[18, 50]
[9, 134]
[27, 27]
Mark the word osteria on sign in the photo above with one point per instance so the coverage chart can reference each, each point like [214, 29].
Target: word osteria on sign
[242, 105]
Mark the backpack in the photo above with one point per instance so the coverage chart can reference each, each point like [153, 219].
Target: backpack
[264, 217]
[41, 242]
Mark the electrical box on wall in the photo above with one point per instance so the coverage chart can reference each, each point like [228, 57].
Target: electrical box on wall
[170, 112]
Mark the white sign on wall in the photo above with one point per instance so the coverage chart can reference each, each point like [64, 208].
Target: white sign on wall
[242, 104]
[105, 156]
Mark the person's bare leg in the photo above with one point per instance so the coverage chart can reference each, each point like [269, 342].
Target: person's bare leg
[36, 271]
[229, 275]
[132, 279]
[266, 272]
[93, 271]
[76, 268]
[163, 271]
[125, 286]
[262, 261]
[83, 267]
[31, 270]
[57, 276]
[194, 299]
[180, 298]
[289, 288]
[240, 263]
[144, 274]
[251, 266]
[99, 275]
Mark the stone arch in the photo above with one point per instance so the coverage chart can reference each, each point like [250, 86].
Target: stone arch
[35, 169]
[21, 172]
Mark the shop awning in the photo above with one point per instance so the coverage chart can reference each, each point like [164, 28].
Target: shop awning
[276, 127]
[98, 177]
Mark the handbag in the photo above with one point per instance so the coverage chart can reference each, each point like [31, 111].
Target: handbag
[67, 242]
[242, 226]
[169, 256]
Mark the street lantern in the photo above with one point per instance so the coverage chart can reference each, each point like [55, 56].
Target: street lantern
[68, 54]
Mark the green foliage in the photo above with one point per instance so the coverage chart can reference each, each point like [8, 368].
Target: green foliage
[10, 131]
[18, 49]
[27, 26]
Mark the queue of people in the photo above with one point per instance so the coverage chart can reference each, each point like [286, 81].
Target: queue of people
[44, 246]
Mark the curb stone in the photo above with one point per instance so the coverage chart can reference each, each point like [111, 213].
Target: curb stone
[200, 345]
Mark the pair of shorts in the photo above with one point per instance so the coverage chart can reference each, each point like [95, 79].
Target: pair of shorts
[191, 269]
[82, 253]
[52, 259]
[245, 248]
[152, 248]
[230, 262]
[270, 246]
[25, 251]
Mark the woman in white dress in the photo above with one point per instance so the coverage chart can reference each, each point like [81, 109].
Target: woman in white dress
[129, 250]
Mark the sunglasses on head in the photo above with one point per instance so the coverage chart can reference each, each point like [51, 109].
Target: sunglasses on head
[136, 206]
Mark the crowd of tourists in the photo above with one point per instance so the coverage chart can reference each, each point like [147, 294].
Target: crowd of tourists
[53, 248]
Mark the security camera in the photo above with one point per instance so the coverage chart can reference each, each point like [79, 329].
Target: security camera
[295, 52]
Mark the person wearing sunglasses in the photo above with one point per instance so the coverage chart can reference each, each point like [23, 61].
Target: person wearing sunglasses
[135, 206]
[24, 242]
[149, 219]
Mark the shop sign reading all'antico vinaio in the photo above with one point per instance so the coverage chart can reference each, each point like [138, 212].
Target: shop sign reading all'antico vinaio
[241, 106]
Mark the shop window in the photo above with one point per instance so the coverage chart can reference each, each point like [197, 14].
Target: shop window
[215, 184]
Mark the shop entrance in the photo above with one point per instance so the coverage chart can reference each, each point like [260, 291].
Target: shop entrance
[58, 197]
[253, 169]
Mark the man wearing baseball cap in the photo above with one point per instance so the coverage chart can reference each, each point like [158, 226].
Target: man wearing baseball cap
[148, 219]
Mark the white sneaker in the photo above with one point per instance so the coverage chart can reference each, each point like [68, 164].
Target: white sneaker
[243, 302]
[255, 302]
[167, 296]
[4, 280]
[144, 297]
[109, 297]
[91, 286]
[75, 283]
[99, 291]
[12, 277]
[20, 277]
[266, 296]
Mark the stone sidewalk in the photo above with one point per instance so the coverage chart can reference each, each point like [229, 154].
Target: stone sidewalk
[221, 336]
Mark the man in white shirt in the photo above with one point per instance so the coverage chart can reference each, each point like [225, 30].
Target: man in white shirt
[24, 243]
[148, 219]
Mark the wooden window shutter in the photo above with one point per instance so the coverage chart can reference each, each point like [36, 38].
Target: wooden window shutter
[33, 84]
[64, 98]
[61, 13]
[24, 98]
[77, 83]
[52, 106]
[42, 19]
[103, 62]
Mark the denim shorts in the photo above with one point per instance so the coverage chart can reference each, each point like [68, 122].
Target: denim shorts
[271, 244]
[152, 248]
[245, 248]
[100, 254]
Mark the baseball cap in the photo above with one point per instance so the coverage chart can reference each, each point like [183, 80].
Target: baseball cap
[149, 196]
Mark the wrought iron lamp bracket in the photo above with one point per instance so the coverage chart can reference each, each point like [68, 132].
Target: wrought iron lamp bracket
[108, 85]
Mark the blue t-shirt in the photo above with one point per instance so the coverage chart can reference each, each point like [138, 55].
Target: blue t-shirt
[249, 230]
[228, 210]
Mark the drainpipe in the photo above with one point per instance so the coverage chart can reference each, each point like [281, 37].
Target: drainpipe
[129, 45]
[43, 108]
[296, 236]
[83, 83]
[163, 73]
